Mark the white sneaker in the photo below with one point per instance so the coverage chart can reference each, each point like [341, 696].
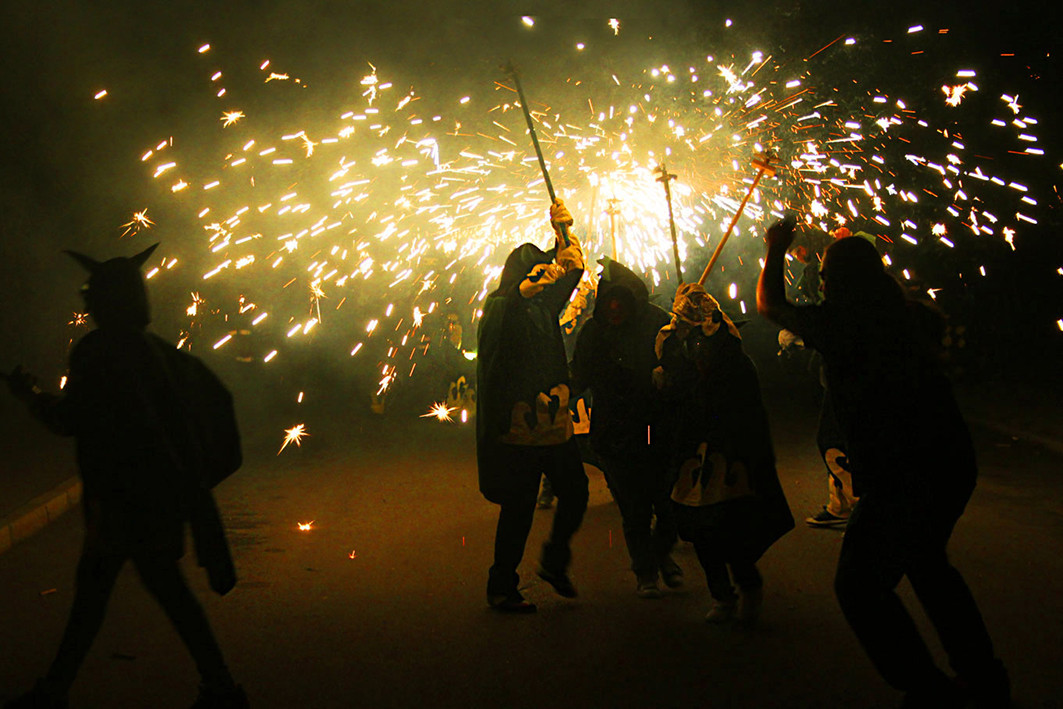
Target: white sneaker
[721, 612]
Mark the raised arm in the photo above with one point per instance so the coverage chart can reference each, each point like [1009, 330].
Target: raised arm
[771, 288]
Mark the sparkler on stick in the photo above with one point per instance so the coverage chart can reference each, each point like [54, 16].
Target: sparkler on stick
[764, 166]
[665, 178]
[512, 71]
[612, 211]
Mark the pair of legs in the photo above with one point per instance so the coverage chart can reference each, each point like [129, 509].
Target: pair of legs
[889, 537]
[720, 569]
[97, 572]
[527, 464]
[642, 487]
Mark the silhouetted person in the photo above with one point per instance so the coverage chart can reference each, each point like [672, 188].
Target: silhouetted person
[913, 466]
[728, 501]
[523, 423]
[147, 420]
[615, 359]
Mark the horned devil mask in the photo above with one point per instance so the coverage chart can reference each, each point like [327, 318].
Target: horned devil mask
[115, 295]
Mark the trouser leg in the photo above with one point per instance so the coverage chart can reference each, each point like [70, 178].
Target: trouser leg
[636, 513]
[872, 561]
[94, 581]
[715, 568]
[514, 523]
[746, 575]
[163, 579]
[564, 467]
[952, 610]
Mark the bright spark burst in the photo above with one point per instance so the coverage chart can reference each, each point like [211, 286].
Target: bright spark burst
[440, 411]
[305, 526]
[139, 221]
[229, 118]
[295, 435]
[614, 25]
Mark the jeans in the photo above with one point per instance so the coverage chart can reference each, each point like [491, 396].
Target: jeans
[563, 466]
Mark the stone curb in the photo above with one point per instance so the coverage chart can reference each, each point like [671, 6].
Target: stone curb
[36, 514]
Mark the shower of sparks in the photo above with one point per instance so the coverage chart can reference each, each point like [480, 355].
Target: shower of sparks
[614, 25]
[305, 526]
[139, 221]
[295, 435]
[439, 411]
[399, 210]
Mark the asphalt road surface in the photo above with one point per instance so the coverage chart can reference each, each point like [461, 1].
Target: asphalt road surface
[381, 603]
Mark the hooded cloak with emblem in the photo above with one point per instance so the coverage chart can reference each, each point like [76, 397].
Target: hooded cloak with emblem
[727, 481]
[615, 358]
[522, 371]
[147, 419]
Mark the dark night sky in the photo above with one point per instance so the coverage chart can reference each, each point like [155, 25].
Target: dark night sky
[69, 170]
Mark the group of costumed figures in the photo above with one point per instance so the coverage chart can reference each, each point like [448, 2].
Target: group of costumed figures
[681, 433]
[678, 427]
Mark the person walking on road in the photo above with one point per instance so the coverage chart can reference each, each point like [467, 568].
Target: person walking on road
[523, 423]
[913, 467]
[146, 454]
[614, 357]
[727, 497]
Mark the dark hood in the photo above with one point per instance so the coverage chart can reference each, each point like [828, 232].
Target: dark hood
[521, 260]
[618, 280]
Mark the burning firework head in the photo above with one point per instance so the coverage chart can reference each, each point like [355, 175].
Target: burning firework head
[114, 294]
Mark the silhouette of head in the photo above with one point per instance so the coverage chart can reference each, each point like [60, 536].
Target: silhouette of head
[520, 262]
[114, 294]
[852, 270]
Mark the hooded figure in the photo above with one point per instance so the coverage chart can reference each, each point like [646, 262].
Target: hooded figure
[615, 359]
[523, 423]
[913, 465]
[154, 430]
[727, 496]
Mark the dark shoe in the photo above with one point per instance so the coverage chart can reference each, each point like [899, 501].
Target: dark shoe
[826, 519]
[938, 694]
[212, 698]
[989, 689]
[671, 574]
[40, 697]
[510, 603]
[560, 581]
[647, 588]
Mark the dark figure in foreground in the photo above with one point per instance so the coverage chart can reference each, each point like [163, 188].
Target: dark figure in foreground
[523, 422]
[154, 430]
[913, 466]
[728, 500]
[615, 358]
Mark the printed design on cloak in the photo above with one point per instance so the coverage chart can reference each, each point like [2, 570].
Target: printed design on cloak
[461, 396]
[710, 480]
[549, 424]
[581, 420]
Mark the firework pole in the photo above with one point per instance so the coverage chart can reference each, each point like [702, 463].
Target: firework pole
[512, 71]
[666, 178]
[764, 166]
[612, 211]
